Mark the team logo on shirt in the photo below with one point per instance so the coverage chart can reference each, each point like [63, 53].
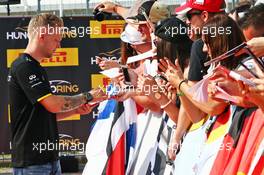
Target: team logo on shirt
[61, 57]
[34, 80]
[107, 28]
[31, 77]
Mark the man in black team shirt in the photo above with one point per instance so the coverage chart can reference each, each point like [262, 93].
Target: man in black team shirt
[197, 13]
[34, 109]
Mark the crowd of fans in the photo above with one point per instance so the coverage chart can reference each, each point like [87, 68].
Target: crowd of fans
[208, 79]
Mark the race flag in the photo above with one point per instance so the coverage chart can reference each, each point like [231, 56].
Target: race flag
[112, 140]
[122, 138]
[241, 144]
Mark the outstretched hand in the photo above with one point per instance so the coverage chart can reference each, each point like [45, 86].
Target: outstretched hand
[105, 64]
[98, 95]
[257, 46]
[106, 6]
[146, 84]
[85, 109]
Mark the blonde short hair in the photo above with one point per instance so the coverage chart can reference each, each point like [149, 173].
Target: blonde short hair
[43, 20]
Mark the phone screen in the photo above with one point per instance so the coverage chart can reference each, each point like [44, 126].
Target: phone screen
[126, 75]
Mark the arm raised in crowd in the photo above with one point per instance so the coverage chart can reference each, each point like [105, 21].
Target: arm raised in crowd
[106, 64]
[135, 93]
[245, 95]
[158, 96]
[196, 110]
[255, 94]
[111, 7]
[257, 46]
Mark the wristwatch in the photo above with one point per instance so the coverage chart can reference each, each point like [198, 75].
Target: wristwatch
[88, 96]
[157, 95]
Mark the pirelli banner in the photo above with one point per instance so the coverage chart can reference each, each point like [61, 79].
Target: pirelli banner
[71, 70]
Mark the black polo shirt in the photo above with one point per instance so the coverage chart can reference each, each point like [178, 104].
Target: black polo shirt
[34, 129]
[197, 59]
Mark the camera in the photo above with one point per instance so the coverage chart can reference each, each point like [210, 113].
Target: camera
[100, 15]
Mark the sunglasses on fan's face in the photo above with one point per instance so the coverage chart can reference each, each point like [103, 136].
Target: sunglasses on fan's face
[191, 14]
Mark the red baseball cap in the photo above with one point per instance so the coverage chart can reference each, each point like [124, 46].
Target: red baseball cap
[203, 5]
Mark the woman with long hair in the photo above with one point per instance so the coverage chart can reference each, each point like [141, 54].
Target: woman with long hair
[213, 158]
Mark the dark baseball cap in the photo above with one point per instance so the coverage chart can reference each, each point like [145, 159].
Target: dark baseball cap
[173, 30]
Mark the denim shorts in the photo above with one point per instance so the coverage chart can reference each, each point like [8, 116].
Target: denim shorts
[53, 168]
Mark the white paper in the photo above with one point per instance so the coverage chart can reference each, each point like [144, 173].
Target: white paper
[111, 73]
[200, 93]
[222, 94]
[238, 77]
[150, 67]
[140, 57]
[153, 67]
[199, 90]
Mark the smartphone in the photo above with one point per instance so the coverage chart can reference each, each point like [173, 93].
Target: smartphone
[126, 75]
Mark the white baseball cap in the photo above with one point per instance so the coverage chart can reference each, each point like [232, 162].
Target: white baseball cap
[131, 35]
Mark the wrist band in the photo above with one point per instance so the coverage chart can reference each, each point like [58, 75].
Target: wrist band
[88, 97]
[183, 81]
[175, 147]
[167, 104]
[180, 94]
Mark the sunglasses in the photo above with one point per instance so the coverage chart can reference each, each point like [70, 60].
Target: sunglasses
[191, 14]
[236, 51]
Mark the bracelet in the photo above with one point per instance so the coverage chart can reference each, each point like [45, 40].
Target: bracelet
[180, 94]
[183, 81]
[175, 147]
[167, 104]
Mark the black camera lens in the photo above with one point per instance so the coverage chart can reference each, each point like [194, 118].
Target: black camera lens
[100, 15]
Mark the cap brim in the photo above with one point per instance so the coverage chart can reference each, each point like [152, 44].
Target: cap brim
[183, 10]
[135, 21]
[138, 19]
